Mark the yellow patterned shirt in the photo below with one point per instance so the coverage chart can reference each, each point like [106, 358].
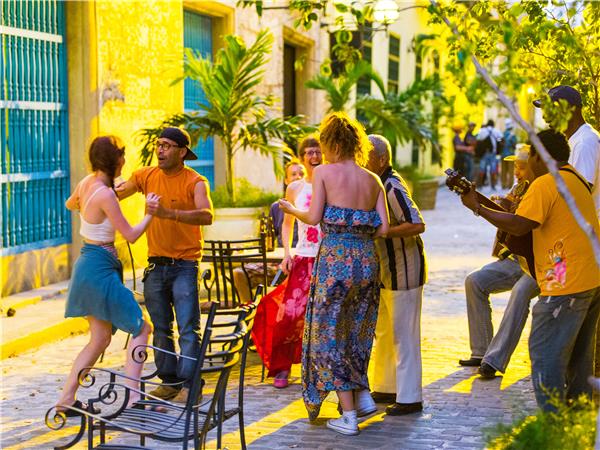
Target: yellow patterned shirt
[564, 257]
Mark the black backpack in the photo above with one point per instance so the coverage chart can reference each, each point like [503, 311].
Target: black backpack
[483, 146]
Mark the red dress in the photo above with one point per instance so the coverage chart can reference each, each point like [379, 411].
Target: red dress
[279, 322]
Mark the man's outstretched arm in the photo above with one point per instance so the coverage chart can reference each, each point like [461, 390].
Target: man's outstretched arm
[125, 189]
[505, 221]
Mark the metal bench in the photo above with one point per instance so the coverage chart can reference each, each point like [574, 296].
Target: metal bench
[157, 419]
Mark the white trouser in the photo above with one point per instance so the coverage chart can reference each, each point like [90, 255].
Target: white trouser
[397, 365]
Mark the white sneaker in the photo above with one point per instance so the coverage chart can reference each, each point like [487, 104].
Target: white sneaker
[364, 403]
[346, 424]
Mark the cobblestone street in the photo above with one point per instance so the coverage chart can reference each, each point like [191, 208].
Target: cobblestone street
[460, 408]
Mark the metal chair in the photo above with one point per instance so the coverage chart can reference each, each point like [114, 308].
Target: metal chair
[244, 314]
[225, 256]
[175, 422]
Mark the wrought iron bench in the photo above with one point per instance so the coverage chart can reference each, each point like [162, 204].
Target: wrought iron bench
[154, 418]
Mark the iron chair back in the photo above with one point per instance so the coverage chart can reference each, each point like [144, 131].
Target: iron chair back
[225, 256]
[244, 314]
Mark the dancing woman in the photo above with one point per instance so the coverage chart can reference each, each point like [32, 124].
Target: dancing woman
[342, 307]
[96, 291]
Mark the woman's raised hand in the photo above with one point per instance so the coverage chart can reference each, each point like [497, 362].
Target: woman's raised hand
[285, 206]
[152, 203]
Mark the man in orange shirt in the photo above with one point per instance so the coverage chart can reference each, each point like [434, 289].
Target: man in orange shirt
[174, 249]
[563, 327]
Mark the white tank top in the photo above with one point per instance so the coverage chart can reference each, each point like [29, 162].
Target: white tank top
[309, 236]
[99, 232]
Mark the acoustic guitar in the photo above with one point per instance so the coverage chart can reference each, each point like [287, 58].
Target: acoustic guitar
[518, 245]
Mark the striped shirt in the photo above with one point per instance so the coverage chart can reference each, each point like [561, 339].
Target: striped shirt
[402, 260]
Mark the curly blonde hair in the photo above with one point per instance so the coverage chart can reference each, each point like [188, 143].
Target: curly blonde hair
[346, 137]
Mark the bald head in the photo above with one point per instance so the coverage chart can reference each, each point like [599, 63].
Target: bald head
[380, 157]
[381, 147]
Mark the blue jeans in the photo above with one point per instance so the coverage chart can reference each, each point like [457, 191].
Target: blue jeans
[562, 345]
[498, 276]
[488, 160]
[168, 289]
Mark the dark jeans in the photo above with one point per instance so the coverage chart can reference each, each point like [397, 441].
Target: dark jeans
[168, 288]
[562, 344]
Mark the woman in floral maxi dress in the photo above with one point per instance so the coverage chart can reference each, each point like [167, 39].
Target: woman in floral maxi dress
[341, 313]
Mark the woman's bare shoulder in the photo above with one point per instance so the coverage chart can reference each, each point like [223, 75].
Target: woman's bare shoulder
[100, 192]
[370, 177]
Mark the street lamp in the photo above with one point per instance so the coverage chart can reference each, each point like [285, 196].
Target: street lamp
[386, 12]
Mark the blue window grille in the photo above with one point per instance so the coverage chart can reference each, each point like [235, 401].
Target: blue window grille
[34, 128]
[197, 35]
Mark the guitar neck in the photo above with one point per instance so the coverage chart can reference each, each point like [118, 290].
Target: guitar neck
[484, 201]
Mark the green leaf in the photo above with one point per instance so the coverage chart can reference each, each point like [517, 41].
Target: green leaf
[341, 7]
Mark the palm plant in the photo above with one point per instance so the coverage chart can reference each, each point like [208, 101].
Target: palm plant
[401, 117]
[232, 109]
[339, 89]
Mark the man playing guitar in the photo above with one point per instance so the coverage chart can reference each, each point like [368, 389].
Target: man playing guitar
[492, 354]
[564, 320]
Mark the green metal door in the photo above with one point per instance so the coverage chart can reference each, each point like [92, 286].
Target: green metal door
[33, 126]
[197, 35]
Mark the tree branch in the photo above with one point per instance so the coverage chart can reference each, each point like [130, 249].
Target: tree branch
[548, 160]
[554, 60]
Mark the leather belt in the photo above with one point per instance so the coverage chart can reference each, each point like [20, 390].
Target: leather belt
[163, 260]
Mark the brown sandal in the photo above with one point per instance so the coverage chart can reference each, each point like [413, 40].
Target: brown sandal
[79, 405]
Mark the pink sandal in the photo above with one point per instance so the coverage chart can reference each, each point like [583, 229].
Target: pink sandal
[281, 380]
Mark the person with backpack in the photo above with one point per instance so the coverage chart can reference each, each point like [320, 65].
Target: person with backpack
[486, 149]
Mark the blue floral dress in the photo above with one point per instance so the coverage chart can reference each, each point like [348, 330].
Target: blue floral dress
[342, 307]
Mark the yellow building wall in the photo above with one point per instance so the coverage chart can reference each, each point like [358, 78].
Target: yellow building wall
[413, 20]
[123, 83]
[30, 270]
[139, 52]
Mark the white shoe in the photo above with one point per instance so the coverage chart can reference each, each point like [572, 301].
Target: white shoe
[364, 403]
[346, 424]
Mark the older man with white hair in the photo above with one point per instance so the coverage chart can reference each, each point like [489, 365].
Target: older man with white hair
[397, 359]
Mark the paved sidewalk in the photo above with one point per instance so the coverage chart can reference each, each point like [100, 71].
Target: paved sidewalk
[459, 410]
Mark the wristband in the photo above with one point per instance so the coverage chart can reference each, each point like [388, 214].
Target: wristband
[176, 215]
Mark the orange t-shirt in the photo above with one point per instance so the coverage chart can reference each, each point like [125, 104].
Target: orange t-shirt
[165, 236]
